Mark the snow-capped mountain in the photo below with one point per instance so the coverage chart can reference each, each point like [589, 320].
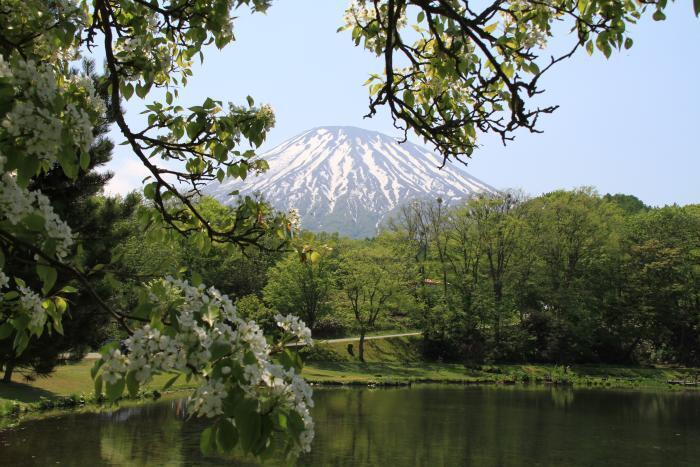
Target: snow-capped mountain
[349, 180]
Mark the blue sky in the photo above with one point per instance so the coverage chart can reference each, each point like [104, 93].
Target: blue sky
[629, 124]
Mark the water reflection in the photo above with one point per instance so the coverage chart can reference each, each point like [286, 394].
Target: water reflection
[428, 425]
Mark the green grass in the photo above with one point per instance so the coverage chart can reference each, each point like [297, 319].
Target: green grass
[396, 349]
[68, 386]
[398, 361]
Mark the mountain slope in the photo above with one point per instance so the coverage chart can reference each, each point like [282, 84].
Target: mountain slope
[348, 180]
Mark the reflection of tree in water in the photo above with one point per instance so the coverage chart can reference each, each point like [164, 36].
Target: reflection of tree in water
[562, 397]
[485, 426]
[122, 440]
[422, 426]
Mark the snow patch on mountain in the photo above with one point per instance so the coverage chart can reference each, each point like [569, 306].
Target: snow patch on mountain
[349, 180]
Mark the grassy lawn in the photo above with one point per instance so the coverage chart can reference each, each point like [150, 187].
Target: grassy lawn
[388, 361]
[398, 361]
[68, 380]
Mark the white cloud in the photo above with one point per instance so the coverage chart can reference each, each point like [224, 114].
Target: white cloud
[129, 173]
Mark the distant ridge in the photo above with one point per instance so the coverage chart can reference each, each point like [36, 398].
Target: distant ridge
[348, 180]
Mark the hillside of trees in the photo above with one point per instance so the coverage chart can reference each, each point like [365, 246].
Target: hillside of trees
[566, 277]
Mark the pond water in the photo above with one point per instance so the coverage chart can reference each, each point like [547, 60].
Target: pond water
[422, 426]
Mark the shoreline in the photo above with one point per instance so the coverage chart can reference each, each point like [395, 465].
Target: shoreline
[64, 404]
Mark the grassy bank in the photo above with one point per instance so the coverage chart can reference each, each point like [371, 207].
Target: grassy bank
[394, 361]
[399, 361]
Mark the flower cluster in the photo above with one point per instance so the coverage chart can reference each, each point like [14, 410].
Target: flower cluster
[114, 367]
[214, 344]
[17, 204]
[35, 126]
[296, 327]
[361, 15]
[208, 399]
[529, 33]
[31, 302]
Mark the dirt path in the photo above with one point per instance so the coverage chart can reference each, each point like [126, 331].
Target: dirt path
[95, 355]
[367, 338]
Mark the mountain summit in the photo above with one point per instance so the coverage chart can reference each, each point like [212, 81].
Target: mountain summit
[349, 180]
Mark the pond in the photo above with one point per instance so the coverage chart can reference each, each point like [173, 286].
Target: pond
[424, 425]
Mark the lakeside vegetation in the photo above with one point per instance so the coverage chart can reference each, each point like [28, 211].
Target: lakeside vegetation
[395, 361]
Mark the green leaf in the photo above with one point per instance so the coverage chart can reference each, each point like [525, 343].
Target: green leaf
[98, 386]
[115, 390]
[250, 100]
[226, 436]
[696, 7]
[196, 279]
[629, 42]
[141, 91]
[11, 295]
[96, 367]
[6, 329]
[314, 257]
[21, 341]
[84, 160]
[281, 420]
[248, 423]
[48, 276]
[219, 349]
[149, 191]
[58, 326]
[659, 15]
[132, 384]
[286, 359]
[127, 90]
[207, 441]
[170, 382]
[295, 423]
[107, 348]
[35, 222]
[408, 98]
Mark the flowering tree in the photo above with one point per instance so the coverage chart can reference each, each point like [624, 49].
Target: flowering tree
[464, 68]
[248, 387]
[462, 72]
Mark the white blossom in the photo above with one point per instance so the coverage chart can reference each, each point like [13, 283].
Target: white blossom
[17, 203]
[189, 351]
[295, 327]
[31, 301]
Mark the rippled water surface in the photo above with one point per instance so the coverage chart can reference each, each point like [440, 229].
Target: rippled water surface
[424, 425]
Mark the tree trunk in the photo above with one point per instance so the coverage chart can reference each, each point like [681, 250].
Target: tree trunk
[9, 368]
[361, 353]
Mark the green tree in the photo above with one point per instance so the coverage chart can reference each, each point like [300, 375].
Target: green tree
[573, 234]
[302, 287]
[372, 281]
[630, 204]
[664, 281]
